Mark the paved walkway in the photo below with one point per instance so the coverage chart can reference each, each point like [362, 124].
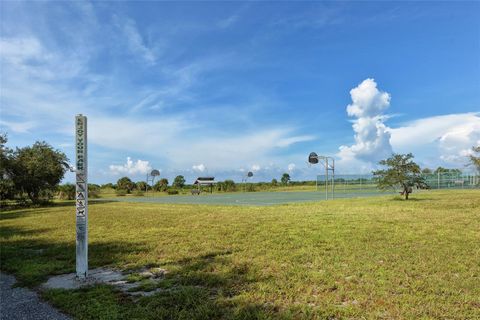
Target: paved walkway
[21, 303]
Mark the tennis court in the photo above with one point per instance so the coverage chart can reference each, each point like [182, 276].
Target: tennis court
[247, 198]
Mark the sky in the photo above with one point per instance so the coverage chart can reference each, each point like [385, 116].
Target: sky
[223, 88]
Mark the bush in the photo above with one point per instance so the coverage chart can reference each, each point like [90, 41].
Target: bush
[66, 191]
[250, 187]
[138, 193]
[229, 186]
[172, 192]
[121, 192]
[93, 191]
[94, 194]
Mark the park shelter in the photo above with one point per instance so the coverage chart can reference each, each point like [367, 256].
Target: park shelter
[205, 181]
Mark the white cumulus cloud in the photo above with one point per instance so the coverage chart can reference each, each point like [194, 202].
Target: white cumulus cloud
[291, 167]
[132, 168]
[199, 167]
[448, 138]
[372, 138]
[367, 100]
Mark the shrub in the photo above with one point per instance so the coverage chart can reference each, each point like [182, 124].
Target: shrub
[121, 192]
[171, 192]
[229, 185]
[93, 191]
[94, 194]
[138, 193]
[66, 191]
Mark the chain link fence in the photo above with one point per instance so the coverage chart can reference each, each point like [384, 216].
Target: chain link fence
[357, 185]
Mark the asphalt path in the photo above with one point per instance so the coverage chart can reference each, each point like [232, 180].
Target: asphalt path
[21, 303]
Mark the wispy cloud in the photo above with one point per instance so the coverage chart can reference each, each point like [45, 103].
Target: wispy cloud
[233, 18]
[19, 127]
[135, 41]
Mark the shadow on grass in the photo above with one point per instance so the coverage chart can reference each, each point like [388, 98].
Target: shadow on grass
[209, 286]
[410, 199]
[25, 211]
[32, 259]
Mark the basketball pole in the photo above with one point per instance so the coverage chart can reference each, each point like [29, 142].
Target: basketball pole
[313, 158]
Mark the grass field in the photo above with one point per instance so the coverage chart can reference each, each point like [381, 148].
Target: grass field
[372, 258]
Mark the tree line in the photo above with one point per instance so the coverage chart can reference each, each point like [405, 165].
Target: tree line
[125, 185]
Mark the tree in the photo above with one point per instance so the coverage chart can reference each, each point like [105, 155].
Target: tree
[427, 171]
[7, 186]
[475, 157]
[161, 185]
[274, 182]
[125, 183]
[179, 182]
[141, 185]
[37, 170]
[401, 171]
[440, 170]
[285, 179]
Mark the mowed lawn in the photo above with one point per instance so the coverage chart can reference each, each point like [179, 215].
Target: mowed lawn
[372, 258]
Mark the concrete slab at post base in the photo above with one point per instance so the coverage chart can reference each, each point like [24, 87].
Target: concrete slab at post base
[71, 281]
[113, 278]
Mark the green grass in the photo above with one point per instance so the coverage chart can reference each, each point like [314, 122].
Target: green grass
[370, 258]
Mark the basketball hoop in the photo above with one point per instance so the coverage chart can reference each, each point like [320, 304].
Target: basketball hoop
[313, 159]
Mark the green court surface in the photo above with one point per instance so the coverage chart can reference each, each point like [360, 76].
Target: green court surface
[247, 198]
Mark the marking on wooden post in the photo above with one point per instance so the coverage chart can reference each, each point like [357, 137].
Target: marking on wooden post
[81, 197]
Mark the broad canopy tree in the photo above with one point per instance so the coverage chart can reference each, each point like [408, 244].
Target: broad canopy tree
[126, 184]
[34, 171]
[179, 182]
[141, 186]
[161, 185]
[401, 171]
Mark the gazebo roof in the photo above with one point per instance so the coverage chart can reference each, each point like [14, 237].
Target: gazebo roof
[205, 180]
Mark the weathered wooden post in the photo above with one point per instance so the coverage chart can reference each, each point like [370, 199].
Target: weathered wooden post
[81, 196]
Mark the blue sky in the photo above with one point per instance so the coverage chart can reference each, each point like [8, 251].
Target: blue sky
[224, 87]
